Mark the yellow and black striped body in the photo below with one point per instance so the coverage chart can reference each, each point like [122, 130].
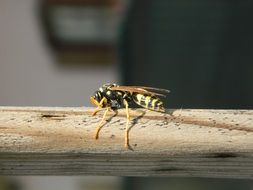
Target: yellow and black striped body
[115, 98]
[149, 102]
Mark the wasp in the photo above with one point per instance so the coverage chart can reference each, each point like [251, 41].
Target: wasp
[113, 97]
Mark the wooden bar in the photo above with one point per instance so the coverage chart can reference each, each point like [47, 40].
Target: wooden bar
[186, 142]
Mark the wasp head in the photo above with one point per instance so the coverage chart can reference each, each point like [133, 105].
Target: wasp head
[97, 98]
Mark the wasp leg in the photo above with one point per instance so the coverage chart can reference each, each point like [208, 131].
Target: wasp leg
[99, 107]
[100, 125]
[96, 110]
[127, 125]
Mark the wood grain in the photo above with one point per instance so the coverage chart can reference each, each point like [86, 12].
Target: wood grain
[187, 142]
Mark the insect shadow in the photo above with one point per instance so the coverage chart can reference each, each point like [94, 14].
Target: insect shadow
[112, 116]
[134, 122]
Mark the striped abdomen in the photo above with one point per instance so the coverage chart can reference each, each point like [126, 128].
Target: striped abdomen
[149, 102]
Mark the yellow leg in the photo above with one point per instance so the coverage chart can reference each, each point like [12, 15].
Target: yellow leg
[95, 111]
[99, 106]
[100, 125]
[127, 125]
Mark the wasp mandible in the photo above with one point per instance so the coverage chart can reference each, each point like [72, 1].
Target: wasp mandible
[113, 97]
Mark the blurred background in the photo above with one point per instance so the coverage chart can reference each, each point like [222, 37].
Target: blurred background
[58, 52]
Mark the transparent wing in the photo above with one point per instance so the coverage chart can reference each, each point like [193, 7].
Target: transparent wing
[142, 90]
[153, 89]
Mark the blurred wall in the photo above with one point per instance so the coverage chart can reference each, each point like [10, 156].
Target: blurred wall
[200, 50]
[29, 74]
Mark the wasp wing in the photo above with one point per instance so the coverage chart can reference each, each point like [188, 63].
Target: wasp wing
[141, 90]
[153, 89]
